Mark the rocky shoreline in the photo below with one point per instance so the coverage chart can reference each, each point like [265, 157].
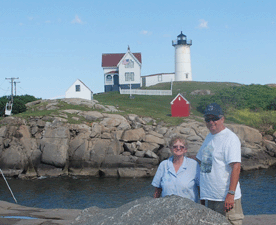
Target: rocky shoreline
[14, 214]
[106, 144]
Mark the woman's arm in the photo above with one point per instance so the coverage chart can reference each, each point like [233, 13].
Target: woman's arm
[157, 192]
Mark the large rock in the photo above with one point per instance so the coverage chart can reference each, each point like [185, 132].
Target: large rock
[54, 145]
[100, 145]
[91, 115]
[12, 158]
[78, 152]
[81, 102]
[96, 130]
[246, 133]
[114, 120]
[171, 210]
[134, 135]
[3, 131]
[144, 146]
[17, 150]
[98, 148]
[271, 147]
[154, 139]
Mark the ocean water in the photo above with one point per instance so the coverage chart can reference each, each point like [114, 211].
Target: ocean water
[258, 190]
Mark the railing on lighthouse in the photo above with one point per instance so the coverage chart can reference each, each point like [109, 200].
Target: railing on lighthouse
[179, 42]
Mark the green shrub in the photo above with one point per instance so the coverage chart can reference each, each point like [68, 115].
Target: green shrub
[18, 103]
[253, 97]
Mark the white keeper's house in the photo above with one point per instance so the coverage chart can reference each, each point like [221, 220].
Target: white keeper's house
[79, 90]
[121, 70]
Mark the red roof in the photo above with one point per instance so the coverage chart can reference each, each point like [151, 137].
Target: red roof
[112, 72]
[112, 60]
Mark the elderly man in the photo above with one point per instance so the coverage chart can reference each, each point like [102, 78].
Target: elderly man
[220, 163]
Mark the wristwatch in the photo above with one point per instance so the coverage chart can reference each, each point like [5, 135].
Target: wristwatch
[231, 192]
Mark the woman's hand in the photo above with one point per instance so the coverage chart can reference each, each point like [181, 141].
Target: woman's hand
[157, 192]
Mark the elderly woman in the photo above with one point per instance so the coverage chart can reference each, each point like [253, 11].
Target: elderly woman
[177, 175]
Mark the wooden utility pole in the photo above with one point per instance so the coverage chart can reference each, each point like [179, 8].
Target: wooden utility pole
[12, 80]
[15, 87]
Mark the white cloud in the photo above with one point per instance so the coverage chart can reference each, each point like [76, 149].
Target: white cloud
[21, 24]
[203, 24]
[145, 32]
[30, 18]
[77, 20]
[48, 21]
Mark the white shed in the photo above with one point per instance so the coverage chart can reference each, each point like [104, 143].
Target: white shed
[79, 90]
[154, 79]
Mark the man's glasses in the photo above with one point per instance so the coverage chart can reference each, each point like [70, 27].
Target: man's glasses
[215, 118]
[177, 147]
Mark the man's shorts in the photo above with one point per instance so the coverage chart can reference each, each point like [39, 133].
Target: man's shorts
[235, 215]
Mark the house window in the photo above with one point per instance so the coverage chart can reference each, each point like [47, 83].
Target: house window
[108, 78]
[77, 88]
[159, 78]
[187, 75]
[128, 63]
[129, 76]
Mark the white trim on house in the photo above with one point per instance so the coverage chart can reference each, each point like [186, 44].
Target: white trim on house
[179, 95]
[130, 53]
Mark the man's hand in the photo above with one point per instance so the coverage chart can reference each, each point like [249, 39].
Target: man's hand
[229, 202]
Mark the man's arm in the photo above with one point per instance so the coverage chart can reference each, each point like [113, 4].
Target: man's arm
[234, 179]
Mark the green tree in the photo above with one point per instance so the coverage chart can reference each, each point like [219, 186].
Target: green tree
[18, 103]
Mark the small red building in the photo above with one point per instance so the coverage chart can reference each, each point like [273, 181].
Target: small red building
[180, 107]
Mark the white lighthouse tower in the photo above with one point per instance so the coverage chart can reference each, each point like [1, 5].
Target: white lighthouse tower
[183, 69]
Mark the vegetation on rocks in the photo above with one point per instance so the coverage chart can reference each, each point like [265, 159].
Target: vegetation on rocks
[252, 105]
[19, 103]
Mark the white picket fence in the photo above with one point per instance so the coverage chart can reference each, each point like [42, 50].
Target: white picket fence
[144, 92]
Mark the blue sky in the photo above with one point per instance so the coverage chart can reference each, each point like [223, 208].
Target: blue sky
[49, 44]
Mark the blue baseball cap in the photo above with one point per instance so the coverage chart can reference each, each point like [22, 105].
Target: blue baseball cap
[213, 109]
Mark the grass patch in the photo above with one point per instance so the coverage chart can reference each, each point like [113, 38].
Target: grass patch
[265, 121]
[159, 107]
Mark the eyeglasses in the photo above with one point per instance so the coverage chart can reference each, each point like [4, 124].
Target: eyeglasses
[177, 147]
[215, 118]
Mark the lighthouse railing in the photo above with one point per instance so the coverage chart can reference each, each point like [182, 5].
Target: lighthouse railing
[184, 42]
